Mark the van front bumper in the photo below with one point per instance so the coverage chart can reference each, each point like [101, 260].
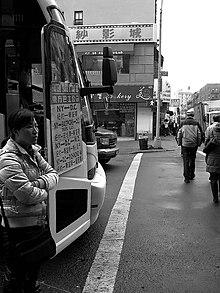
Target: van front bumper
[98, 189]
[108, 153]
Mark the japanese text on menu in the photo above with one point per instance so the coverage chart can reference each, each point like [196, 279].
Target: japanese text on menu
[66, 126]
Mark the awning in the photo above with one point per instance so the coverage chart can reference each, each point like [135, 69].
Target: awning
[123, 48]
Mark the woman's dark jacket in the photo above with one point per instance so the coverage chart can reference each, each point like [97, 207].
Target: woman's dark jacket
[213, 158]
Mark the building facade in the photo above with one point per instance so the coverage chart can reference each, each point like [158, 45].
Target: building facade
[85, 12]
[131, 110]
[210, 94]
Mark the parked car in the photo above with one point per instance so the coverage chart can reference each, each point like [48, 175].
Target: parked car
[106, 144]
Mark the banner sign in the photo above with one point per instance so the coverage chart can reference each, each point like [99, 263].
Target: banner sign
[120, 33]
[125, 94]
[126, 107]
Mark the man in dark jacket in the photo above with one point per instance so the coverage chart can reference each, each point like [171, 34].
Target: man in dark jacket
[189, 137]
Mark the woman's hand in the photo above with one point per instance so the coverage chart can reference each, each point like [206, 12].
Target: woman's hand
[39, 183]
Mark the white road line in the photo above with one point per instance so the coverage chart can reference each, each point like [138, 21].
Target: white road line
[101, 278]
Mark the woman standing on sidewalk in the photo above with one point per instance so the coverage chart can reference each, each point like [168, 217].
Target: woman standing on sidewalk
[25, 178]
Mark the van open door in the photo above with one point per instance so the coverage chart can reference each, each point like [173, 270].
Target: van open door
[70, 201]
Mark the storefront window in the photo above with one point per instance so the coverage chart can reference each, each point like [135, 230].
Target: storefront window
[94, 63]
[120, 117]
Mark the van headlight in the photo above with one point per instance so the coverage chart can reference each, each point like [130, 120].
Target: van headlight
[104, 140]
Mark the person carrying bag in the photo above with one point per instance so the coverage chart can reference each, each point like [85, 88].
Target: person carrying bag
[25, 179]
[213, 159]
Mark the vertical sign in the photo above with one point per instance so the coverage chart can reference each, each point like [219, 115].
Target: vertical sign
[66, 126]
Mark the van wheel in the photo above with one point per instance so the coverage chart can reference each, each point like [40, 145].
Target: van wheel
[104, 161]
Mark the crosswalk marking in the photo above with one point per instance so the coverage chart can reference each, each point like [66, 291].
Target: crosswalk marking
[101, 278]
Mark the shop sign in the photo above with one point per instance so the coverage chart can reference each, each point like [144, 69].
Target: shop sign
[128, 94]
[164, 73]
[100, 53]
[119, 33]
[174, 102]
[165, 100]
[126, 107]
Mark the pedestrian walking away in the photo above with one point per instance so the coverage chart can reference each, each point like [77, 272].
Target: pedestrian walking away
[166, 127]
[216, 119]
[213, 159]
[25, 179]
[189, 137]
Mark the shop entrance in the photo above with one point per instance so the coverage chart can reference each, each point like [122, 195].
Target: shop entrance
[119, 117]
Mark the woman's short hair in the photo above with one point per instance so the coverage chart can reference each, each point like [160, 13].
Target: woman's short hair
[19, 119]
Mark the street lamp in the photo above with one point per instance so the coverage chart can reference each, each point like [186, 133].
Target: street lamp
[157, 140]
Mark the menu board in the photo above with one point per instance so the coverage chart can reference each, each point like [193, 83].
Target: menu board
[66, 126]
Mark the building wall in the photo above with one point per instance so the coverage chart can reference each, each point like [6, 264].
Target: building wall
[141, 69]
[211, 91]
[210, 95]
[110, 12]
[142, 64]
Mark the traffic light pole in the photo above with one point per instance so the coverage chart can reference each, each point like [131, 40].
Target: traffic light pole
[157, 140]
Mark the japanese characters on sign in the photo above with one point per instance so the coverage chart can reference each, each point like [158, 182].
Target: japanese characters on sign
[66, 126]
[114, 33]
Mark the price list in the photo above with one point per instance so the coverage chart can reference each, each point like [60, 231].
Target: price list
[66, 127]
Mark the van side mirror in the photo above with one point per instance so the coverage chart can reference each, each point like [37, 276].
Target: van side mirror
[109, 75]
[109, 72]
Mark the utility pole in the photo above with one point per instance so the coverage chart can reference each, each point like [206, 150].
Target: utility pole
[157, 140]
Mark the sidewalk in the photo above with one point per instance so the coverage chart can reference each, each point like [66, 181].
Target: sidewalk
[129, 145]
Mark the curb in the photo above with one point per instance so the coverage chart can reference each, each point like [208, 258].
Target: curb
[152, 151]
[131, 146]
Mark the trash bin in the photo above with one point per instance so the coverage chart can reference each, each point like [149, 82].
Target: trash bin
[143, 142]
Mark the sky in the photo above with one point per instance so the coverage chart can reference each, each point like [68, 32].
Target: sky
[190, 43]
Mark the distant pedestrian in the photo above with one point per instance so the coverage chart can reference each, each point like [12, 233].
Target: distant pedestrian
[166, 127]
[174, 128]
[213, 159]
[189, 137]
